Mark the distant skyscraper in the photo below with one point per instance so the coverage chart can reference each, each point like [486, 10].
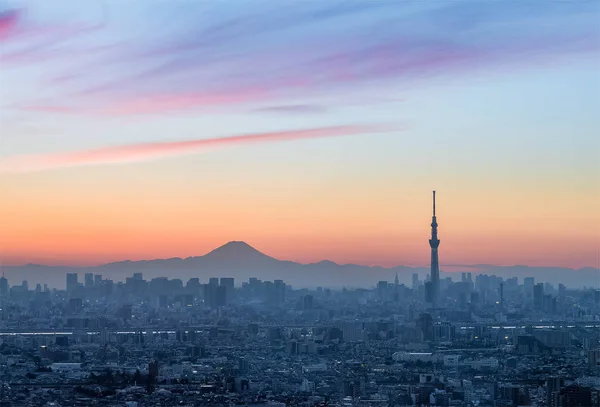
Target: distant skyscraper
[229, 284]
[221, 296]
[382, 288]
[227, 281]
[434, 243]
[3, 286]
[528, 283]
[538, 296]
[210, 295]
[425, 323]
[72, 282]
[279, 292]
[415, 281]
[308, 302]
[89, 280]
[3, 294]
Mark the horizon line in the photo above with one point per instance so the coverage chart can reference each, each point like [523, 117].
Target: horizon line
[3, 265]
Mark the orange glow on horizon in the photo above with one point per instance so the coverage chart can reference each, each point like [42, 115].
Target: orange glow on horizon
[89, 217]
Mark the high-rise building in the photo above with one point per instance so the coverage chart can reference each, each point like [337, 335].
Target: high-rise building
[538, 296]
[227, 281]
[415, 281]
[3, 294]
[553, 386]
[308, 302]
[229, 284]
[434, 243]
[210, 294]
[97, 280]
[594, 359]
[72, 282]
[221, 296]
[89, 280]
[528, 284]
[425, 323]
[382, 290]
[279, 286]
[3, 286]
[352, 331]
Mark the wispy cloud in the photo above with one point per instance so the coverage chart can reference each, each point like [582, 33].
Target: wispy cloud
[151, 151]
[293, 109]
[219, 56]
[24, 40]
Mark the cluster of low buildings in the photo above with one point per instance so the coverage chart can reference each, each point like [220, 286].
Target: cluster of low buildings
[487, 342]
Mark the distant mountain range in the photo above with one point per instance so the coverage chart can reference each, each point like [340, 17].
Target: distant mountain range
[242, 261]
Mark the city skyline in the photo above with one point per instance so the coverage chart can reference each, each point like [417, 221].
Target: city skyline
[324, 203]
[313, 132]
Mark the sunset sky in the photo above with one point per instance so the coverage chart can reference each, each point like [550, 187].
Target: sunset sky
[312, 130]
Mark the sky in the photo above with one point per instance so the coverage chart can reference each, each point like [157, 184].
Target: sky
[312, 130]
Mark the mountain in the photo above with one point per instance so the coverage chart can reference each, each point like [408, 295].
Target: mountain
[242, 261]
[237, 254]
[234, 254]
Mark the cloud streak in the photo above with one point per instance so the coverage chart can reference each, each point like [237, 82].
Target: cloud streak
[244, 55]
[153, 151]
[23, 41]
[293, 109]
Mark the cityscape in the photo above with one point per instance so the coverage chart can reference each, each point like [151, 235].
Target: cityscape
[475, 340]
[301, 203]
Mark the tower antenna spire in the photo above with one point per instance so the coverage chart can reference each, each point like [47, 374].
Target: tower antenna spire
[434, 243]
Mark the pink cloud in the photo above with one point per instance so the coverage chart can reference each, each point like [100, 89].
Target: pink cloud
[226, 62]
[40, 38]
[150, 151]
[163, 103]
[8, 21]
[293, 109]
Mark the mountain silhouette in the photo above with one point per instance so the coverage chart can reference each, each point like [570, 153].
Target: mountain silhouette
[238, 254]
[241, 261]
